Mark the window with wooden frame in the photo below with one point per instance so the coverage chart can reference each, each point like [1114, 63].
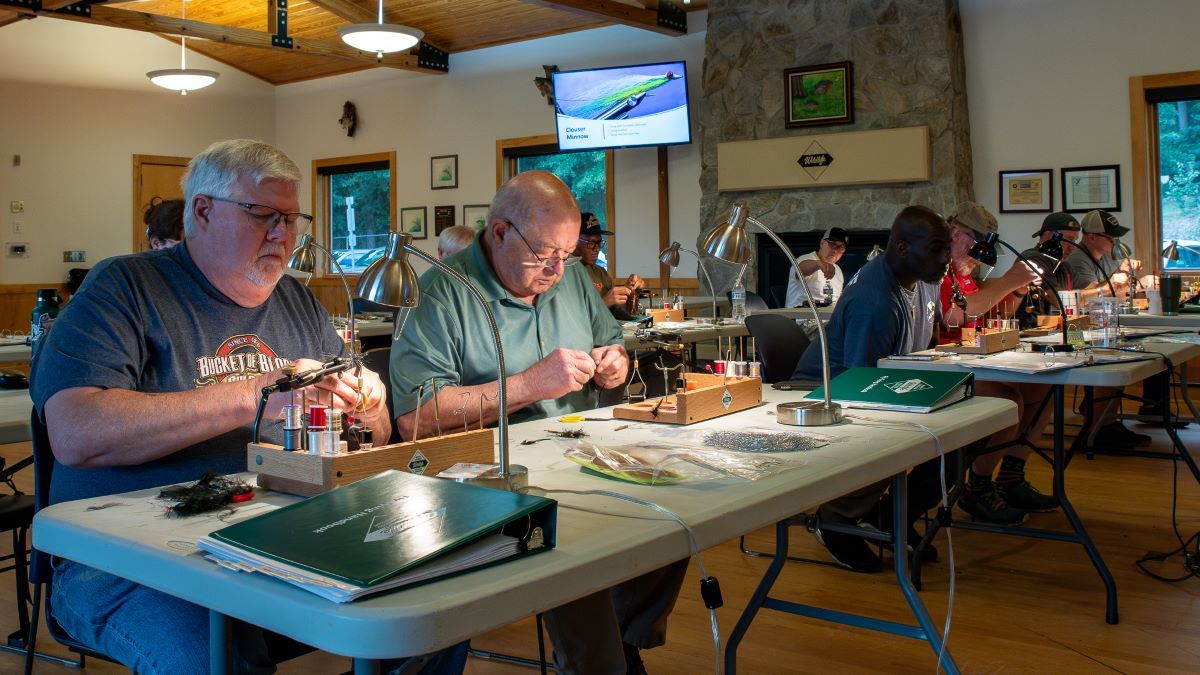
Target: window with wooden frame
[354, 203]
[589, 175]
[1165, 131]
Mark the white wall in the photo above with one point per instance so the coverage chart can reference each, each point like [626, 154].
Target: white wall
[489, 95]
[1048, 86]
[77, 146]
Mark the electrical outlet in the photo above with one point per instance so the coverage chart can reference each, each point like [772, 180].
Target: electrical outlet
[18, 227]
[74, 256]
[18, 249]
[17, 206]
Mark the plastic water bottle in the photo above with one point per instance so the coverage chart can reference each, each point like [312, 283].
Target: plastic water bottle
[828, 293]
[737, 298]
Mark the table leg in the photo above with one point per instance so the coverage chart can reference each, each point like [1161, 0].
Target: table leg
[1183, 391]
[900, 562]
[220, 643]
[759, 598]
[366, 667]
[1110, 586]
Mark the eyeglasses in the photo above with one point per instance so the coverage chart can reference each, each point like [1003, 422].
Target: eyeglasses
[551, 260]
[589, 244]
[267, 217]
[836, 245]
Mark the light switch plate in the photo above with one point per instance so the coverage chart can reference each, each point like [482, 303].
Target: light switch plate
[17, 249]
[74, 256]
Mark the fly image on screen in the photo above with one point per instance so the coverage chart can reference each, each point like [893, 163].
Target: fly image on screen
[622, 107]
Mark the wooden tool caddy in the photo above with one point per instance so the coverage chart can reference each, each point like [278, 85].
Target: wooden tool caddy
[706, 401]
[669, 315]
[300, 473]
[984, 341]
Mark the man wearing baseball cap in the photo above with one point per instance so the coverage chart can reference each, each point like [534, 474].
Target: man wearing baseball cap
[1008, 499]
[821, 272]
[1100, 231]
[616, 298]
[1059, 221]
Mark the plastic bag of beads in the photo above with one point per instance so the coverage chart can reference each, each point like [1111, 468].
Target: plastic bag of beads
[658, 463]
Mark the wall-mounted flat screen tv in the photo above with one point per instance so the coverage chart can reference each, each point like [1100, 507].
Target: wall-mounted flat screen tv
[622, 107]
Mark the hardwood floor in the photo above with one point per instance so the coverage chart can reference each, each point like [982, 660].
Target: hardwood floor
[1021, 605]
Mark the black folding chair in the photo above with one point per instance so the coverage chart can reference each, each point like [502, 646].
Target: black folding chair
[40, 571]
[16, 515]
[780, 342]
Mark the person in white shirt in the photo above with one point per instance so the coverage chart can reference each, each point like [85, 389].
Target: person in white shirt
[821, 272]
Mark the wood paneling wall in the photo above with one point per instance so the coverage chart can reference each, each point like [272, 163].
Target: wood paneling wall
[17, 302]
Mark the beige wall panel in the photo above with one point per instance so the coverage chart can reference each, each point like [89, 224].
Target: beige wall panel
[859, 157]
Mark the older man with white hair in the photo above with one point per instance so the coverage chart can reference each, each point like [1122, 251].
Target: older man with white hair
[152, 375]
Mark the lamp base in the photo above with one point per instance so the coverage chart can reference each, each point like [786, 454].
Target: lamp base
[516, 480]
[808, 413]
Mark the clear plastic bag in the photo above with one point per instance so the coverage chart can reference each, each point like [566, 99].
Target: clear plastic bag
[773, 440]
[658, 463]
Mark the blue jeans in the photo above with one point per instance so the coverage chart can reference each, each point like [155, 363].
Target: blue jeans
[156, 633]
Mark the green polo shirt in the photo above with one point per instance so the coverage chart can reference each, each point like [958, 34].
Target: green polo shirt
[446, 337]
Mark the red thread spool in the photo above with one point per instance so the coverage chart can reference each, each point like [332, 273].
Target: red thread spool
[317, 416]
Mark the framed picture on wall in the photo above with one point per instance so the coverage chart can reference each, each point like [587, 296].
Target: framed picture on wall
[414, 221]
[1091, 187]
[443, 217]
[1027, 191]
[443, 172]
[475, 216]
[819, 95]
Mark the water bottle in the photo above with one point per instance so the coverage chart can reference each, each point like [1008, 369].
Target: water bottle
[827, 292]
[737, 298]
[43, 315]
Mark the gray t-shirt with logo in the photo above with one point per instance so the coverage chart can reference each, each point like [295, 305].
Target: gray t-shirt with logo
[151, 322]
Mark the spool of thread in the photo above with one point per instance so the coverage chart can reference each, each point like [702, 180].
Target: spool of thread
[318, 416]
[737, 368]
[754, 369]
[293, 427]
[719, 367]
[318, 443]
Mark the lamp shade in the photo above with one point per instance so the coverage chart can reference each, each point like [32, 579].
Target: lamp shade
[1052, 247]
[985, 251]
[302, 258]
[380, 38]
[391, 280]
[669, 256]
[729, 241]
[183, 79]
[1121, 251]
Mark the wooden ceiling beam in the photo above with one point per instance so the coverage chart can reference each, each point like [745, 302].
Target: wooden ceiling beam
[165, 25]
[611, 11]
[56, 4]
[7, 17]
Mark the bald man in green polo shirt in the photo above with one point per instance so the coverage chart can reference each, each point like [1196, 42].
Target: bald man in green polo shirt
[561, 347]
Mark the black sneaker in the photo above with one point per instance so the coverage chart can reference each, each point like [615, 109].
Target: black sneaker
[633, 660]
[849, 551]
[1117, 435]
[987, 505]
[1028, 498]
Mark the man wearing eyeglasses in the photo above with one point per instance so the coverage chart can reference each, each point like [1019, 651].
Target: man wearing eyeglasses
[1100, 232]
[821, 272]
[152, 374]
[618, 299]
[561, 346]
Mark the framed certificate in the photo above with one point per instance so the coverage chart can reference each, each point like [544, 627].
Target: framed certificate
[1027, 191]
[1091, 187]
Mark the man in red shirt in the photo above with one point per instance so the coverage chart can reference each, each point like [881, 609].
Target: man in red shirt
[1010, 497]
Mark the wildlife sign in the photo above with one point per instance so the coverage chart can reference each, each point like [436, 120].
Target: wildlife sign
[814, 160]
[819, 95]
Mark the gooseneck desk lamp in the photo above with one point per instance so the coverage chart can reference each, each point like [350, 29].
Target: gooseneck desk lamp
[985, 252]
[1171, 252]
[729, 241]
[303, 260]
[669, 256]
[391, 281]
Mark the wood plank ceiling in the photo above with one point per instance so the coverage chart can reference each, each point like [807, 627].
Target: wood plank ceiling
[237, 32]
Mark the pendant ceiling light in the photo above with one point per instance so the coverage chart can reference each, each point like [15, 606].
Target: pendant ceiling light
[381, 38]
[182, 79]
